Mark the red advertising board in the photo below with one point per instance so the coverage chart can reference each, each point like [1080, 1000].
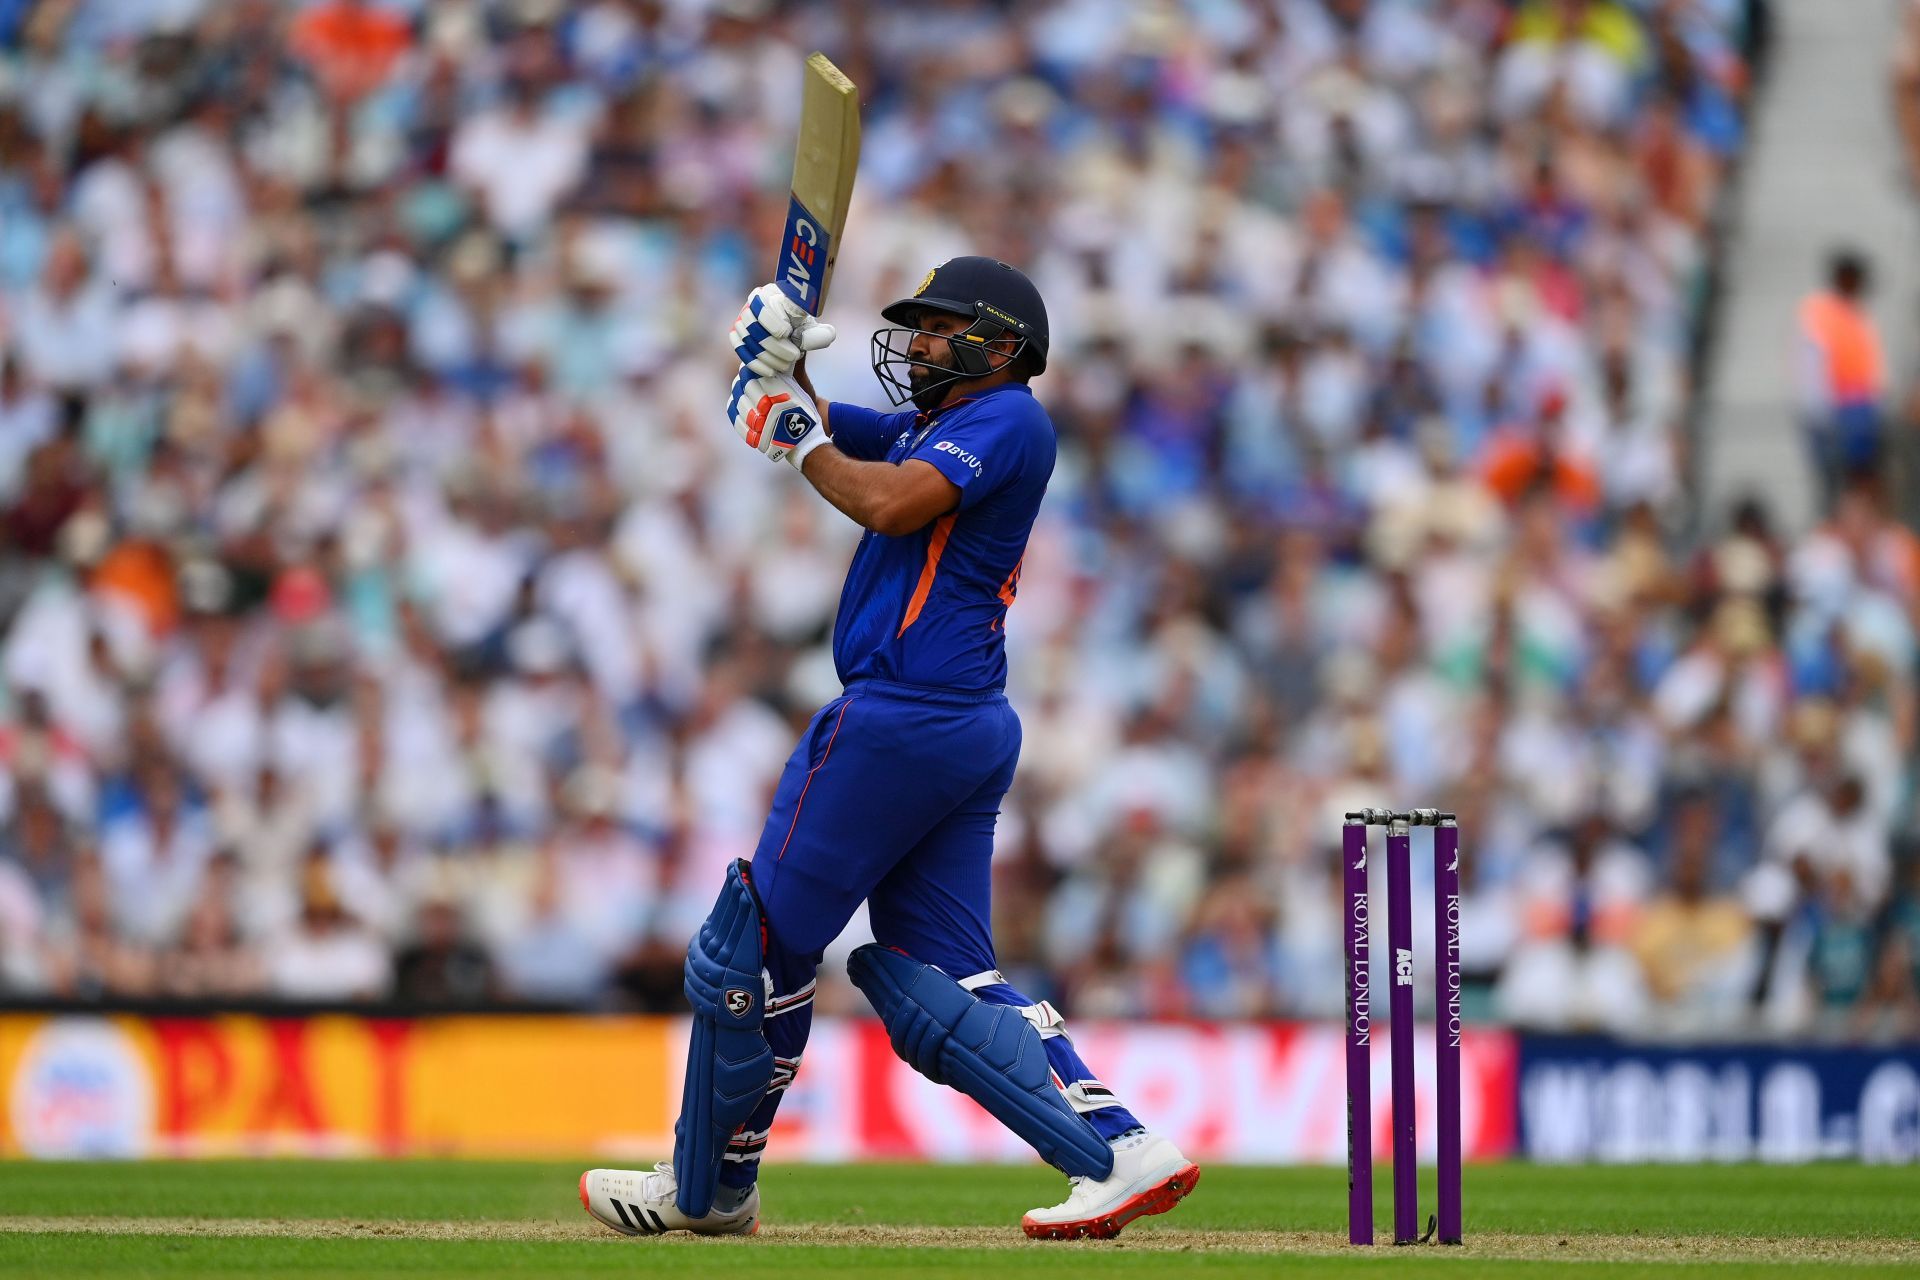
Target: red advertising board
[343, 1085]
[1238, 1092]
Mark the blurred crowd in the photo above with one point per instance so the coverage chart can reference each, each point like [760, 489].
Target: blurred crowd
[377, 618]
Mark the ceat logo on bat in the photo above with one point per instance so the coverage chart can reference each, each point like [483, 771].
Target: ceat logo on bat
[803, 255]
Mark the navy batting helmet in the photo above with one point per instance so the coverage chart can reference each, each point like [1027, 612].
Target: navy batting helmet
[997, 298]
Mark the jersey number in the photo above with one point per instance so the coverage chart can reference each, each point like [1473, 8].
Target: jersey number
[1008, 590]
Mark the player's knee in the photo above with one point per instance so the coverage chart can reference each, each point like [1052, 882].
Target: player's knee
[955, 1036]
[921, 1006]
[955, 947]
[803, 913]
[723, 973]
[1045, 1019]
[795, 934]
[918, 1016]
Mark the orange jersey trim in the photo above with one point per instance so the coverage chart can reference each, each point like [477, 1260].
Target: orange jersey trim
[936, 548]
[1008, 587]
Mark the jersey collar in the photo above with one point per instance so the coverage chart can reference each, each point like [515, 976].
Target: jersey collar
[928, 418]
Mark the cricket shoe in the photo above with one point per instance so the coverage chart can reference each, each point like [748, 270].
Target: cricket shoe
[636, 1203]
[1149, 1176]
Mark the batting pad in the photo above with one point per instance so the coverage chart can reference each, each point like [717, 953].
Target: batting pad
[990, 1052]
[729, 1063]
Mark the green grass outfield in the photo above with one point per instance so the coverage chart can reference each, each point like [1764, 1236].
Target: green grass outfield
[434, 1218]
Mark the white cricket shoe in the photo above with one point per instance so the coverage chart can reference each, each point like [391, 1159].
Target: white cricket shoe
[1149, 1176]
[636, 1203]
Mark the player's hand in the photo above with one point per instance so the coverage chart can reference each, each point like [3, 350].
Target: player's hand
[776, 416]
[772, 332]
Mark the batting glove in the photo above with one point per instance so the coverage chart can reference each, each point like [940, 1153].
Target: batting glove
[773, 331]
[775, 416]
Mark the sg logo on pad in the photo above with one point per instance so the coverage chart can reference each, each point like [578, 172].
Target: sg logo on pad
[738, 1001]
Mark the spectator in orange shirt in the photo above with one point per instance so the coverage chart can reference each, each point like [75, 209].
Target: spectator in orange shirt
[1843, 373]
[138, 574]
[351, 45]
[1521, 458]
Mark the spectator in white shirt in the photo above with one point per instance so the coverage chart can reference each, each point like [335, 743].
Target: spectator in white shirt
[155, 857]
[67, 324]
[520, 159]
[327, 954]
[548, 958]
[1824, 830]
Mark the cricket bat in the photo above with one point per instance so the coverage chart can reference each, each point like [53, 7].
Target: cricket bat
[823, 167]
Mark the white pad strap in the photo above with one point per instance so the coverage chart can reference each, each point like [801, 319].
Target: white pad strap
[778, 1005]
[1089, 1095]
[1045, 1018]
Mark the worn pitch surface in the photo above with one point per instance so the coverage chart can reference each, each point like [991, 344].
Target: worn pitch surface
[460, 1218]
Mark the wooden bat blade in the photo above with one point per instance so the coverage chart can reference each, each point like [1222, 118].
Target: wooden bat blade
[824, 163]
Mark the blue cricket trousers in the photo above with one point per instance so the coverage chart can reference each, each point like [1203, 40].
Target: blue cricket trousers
[890, 798]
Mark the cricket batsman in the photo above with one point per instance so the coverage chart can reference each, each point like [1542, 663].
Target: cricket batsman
[891, 795]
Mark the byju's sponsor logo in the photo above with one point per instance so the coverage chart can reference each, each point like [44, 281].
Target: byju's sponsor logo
[971, 459]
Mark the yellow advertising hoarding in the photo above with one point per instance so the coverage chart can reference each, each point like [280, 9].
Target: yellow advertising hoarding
[607, 1089]
[470, 1085]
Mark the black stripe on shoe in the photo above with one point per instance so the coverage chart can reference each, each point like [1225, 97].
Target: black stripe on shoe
[622, 1211]
[659, 1224]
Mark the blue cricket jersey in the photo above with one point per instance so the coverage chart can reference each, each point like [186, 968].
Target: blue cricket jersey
[929, 608]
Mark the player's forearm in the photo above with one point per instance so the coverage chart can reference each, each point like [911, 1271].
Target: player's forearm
[868, 493]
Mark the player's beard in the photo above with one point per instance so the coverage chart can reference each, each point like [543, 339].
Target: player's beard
[931, 381]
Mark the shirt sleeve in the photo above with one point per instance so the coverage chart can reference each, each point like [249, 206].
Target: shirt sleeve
[864, 433]
[982, 454]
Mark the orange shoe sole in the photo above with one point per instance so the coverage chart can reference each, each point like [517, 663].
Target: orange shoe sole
[1155, 1199]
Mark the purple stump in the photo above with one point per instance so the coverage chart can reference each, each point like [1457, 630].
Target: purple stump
[1446, 1035]
[1353, 925]
[1406, 1187]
